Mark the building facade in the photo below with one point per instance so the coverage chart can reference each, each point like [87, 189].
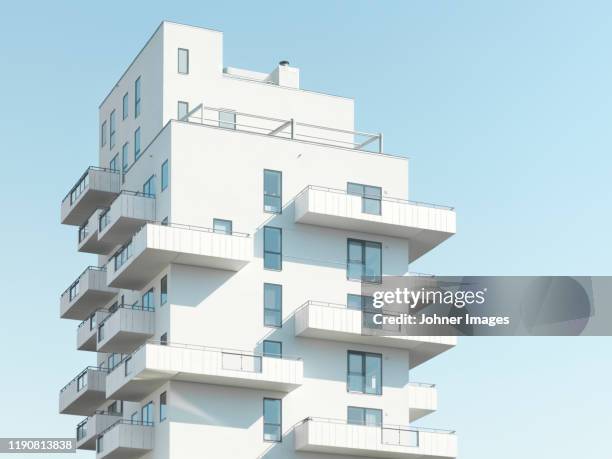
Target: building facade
[234, 216]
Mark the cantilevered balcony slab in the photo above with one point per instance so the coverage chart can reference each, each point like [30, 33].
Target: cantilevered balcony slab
[85, 393]
[96, 188]
[128, 212]
[125, 329]
[422, 400]
[88, 429]
[336, 322]
[155, 246]
[87, 331]
[126, 440]
[425, 225]
[330, 436]
[88, 293]
[88, 236]
[154, 364]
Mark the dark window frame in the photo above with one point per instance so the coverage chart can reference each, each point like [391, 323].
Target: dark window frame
[271, 341]
[280, 195]
[279, 311]
[224, 220]
[364, 244]
[280, 424]
[365, 197]
[280, 253]
[364, 372]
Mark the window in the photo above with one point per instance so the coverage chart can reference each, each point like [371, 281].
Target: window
[182, 111]
[146, 413]
[364, 304]
[364, 261]
[113, 360]
[148, 299]
[114, 163]
[370, 197]
[227, 119]
[127, 368]
[163, 339]
[148, 188]
[164, 175]
[125, 105]
[162, 406]
[364, 416]
[273, 305]
[273, 349]
[273, 191]
[99, 443]
[364, 373]
[116, 407]
[222, 226]
[272, 419]
[273, 248]
[136, 144]
[183, 61]
[103, 134]
[73, 291]
[137, 97]
[81, 381]
[163, 290]
[92, 321]
[100, 332]
[134, 417]
[125, 160]
[113, 129]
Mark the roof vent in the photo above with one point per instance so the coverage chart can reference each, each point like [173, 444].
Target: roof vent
[284, 63]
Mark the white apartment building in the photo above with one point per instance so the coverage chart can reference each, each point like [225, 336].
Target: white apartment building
[234, 215]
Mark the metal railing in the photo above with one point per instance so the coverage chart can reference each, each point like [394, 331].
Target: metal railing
[89, 268]
[384, 198]
[82, 373]
[131, 422]
[104, 218]
[285, 128]
[133, 307]
[83, 182]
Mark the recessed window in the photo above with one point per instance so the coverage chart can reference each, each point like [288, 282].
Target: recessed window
[126, 102]
[364, 261]
[272, 419]
[100, 332]
[273, 349]
[273, 248]
[146, 414]
[164, 175]
[148, 188]
[100, 444]
[103, 134]
[273, 190]
[162, 406]
[370, 197]
[163, 290]
[183, 61]
[273, 305]
[364, 373]
[182, 111]
[227, 119]
[222, 226]
[113, 129]
[125, 157]
[137, 98]
[364, 416]
[114, 163]
[148, 299]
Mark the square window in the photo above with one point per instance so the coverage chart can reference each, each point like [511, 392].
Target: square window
[273, 349]
[222, 226]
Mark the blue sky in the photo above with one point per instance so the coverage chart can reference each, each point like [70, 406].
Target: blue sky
[504, 108]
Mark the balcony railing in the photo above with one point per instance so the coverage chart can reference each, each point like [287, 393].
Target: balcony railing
[285, 128]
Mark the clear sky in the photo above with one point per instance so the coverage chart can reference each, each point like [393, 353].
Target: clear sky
[504, 107]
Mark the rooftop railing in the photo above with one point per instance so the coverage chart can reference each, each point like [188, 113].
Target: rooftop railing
[285, 128]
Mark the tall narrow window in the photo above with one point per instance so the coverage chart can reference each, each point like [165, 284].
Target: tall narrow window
[103, 134]
[163, 290]
[182, 111]
[146, 414]
[222, 226]
[371, 197]
[227, 119]
[137, 144]
[272, 419]
[137, 97]
[364, 261]
[162, 406]
[125, 157]
[183, 61]
[148, 299]
[113, 129]
[273, 189]
[364, 373]
[148, 188]
[273, 305]
[164, 175]
[100, 444]
[273, 349]
[364, 416]
[114, 163]
[125, 105]
[273, 248]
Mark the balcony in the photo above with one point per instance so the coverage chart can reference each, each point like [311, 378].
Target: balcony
[331, 436]
[422, 400]
[88, 293]
[125, 440]
[155, 246]
[84, 393]
[125, 329]
[336, 322]
[153, 364]
[425, 225]
[88, 236]
[128, 212]
[88, 429]
[96, 188]
[87, 331]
